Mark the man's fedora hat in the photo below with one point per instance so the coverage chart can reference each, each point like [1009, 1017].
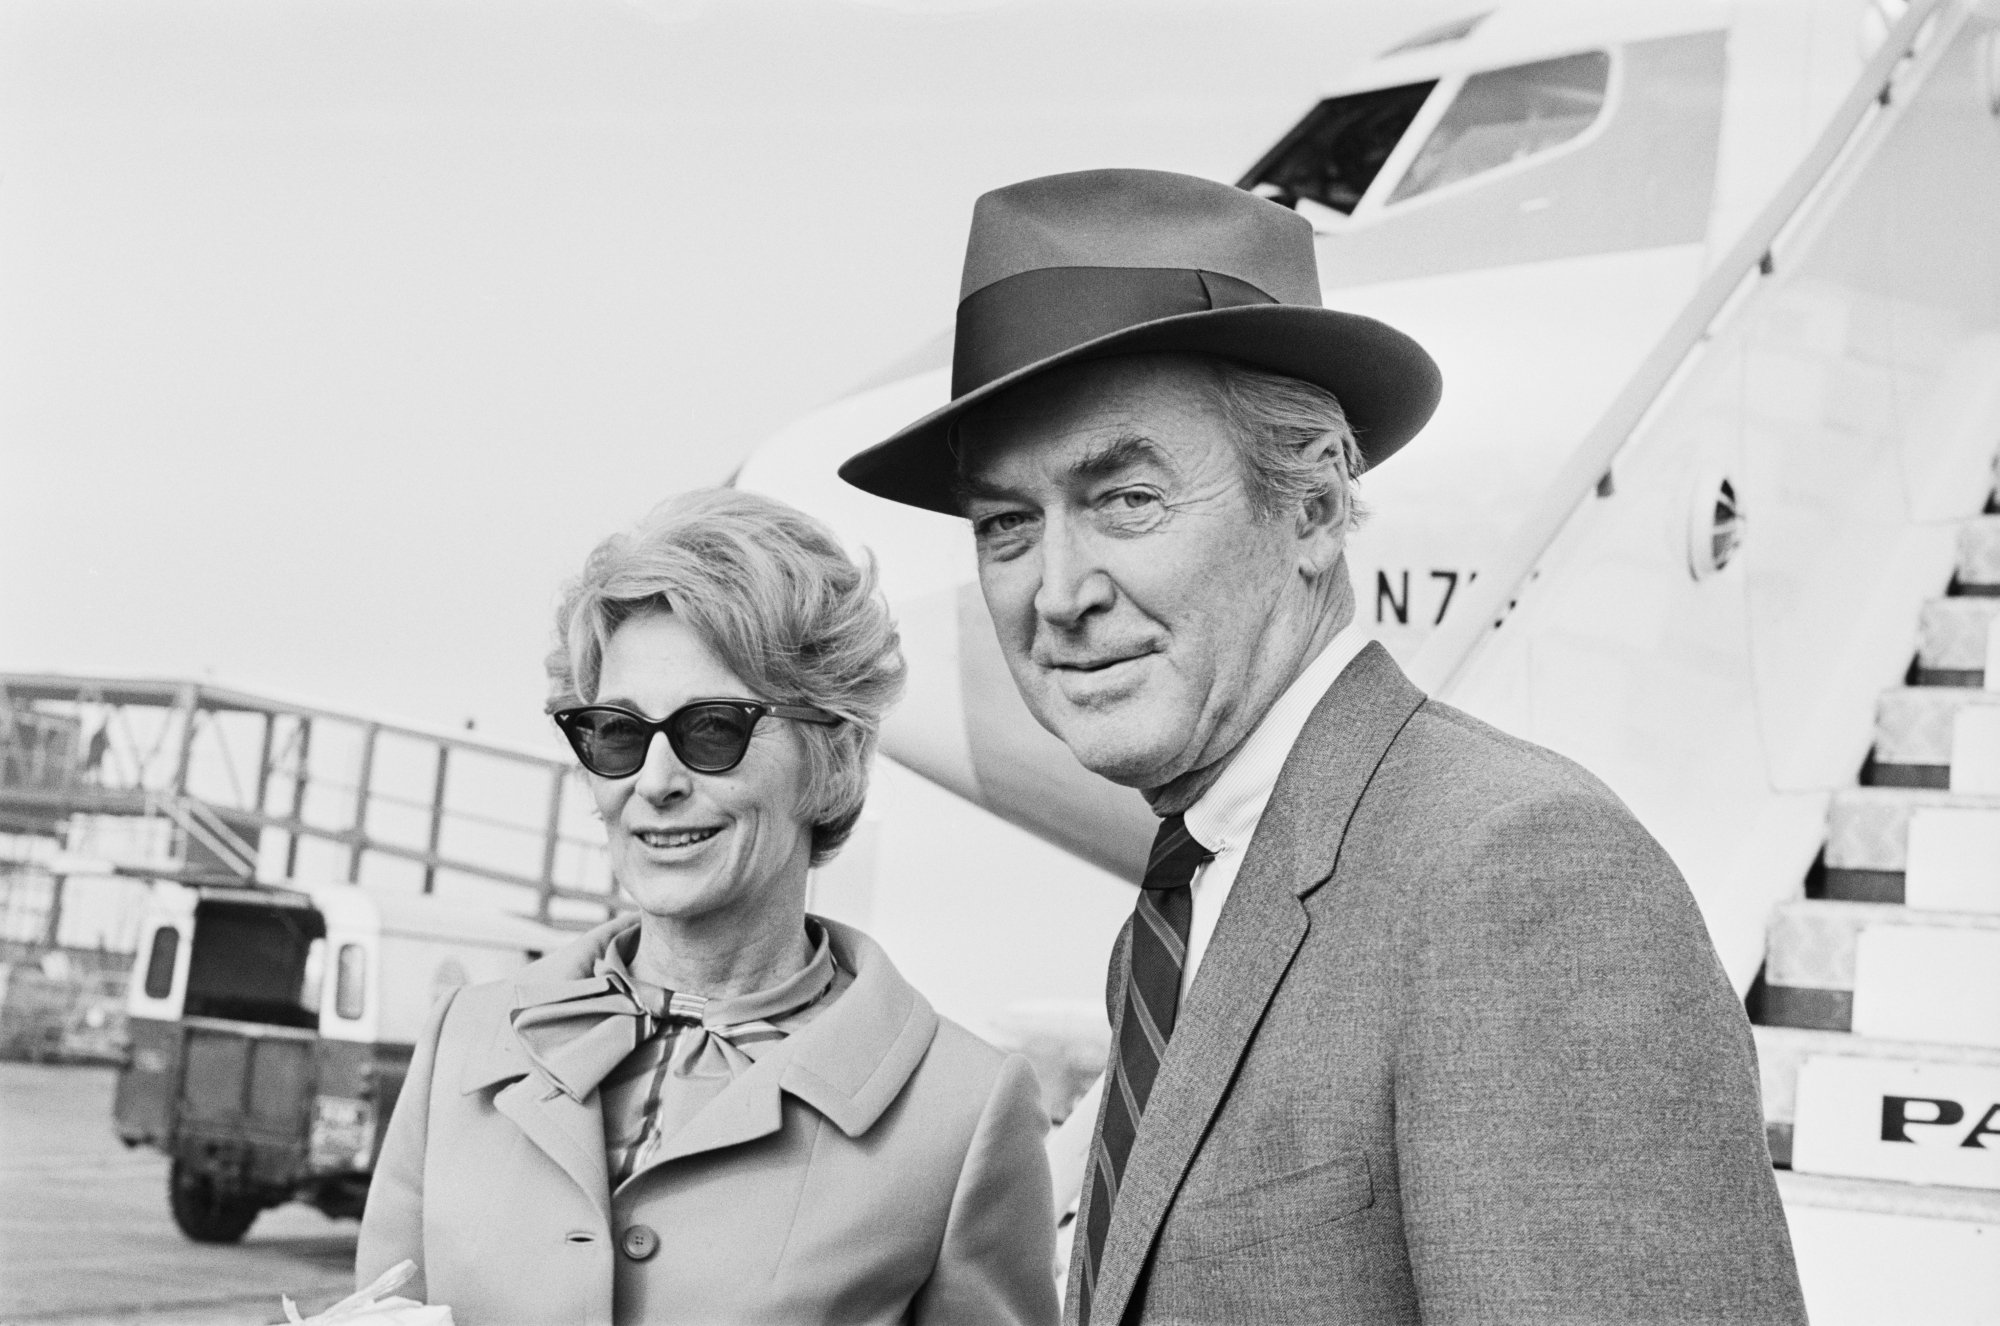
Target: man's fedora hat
[1112, 262]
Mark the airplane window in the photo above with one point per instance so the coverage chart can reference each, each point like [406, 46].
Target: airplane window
[1507, 114]
[1334, 154]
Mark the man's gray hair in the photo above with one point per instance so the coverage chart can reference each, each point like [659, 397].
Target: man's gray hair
[1279, 423]
[772, 592]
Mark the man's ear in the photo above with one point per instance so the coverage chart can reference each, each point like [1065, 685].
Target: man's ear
[1323, 519]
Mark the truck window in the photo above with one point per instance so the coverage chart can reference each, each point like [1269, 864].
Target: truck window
[160, 962]
[1333, 154]
[247, 962]
[350, 981]
[1506, 114]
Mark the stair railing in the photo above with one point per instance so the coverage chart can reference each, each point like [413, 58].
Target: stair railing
[1446, 655]
[198, 821]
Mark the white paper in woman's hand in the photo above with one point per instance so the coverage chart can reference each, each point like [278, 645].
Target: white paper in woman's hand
[373, 1307]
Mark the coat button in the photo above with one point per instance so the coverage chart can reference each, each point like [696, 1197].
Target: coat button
[639, 1242]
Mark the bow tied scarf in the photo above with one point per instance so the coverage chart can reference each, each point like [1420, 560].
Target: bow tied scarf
[657, 1057]
[1155, 955]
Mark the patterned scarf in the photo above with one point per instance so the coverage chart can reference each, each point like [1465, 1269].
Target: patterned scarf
[656, 1057]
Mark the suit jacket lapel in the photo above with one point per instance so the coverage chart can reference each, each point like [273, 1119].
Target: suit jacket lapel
[1294, 850]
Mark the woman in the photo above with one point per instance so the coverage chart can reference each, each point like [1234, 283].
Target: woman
[719, 1109]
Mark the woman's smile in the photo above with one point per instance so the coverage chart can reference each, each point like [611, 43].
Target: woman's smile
[675, 839]
[691, 847]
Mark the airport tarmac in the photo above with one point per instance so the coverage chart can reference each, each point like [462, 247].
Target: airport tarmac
[85, 1236]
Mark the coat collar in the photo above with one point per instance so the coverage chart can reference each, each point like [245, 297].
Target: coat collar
[1294, 851]
[849, 1063]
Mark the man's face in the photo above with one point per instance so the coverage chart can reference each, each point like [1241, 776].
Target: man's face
[1134, 588]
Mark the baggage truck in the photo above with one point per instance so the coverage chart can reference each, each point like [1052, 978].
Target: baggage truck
[271, 1028]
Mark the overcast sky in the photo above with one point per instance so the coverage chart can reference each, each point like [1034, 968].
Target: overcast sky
[332, 335]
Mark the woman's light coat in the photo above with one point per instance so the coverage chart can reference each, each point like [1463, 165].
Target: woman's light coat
[881, 1164]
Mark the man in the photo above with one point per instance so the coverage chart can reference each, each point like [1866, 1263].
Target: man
[1413, 1021]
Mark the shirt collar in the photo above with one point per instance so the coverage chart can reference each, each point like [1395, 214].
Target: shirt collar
[1226, 815]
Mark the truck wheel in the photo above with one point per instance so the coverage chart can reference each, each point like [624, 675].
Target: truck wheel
[205, 1213]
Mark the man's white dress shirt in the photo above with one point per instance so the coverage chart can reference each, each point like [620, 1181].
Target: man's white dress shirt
[1226, 816]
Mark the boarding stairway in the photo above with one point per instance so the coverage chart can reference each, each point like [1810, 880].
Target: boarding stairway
[1878, 1011]
[1760, 601]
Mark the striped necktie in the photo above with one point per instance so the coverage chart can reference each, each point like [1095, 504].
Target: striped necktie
[1154, 957]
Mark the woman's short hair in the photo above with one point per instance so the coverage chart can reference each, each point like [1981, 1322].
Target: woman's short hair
[772, 592]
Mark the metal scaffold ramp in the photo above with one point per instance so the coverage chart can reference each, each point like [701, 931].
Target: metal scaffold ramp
[169, 778]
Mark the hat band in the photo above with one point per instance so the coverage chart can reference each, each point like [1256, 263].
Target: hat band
[1032, 315]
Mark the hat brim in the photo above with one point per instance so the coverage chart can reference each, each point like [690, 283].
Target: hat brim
[1388, 385]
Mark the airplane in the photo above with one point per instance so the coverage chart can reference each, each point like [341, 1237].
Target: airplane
[1716, 297]
[1534, 220]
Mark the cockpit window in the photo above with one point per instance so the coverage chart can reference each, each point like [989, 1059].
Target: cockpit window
[1334, 154]
[1507, 114]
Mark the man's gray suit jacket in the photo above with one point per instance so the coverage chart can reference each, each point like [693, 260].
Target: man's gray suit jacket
[1459, 1051]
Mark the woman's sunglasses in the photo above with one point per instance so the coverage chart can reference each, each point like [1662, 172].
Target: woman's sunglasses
[708, 736]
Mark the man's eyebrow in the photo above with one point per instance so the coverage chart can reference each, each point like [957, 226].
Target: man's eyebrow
[967, 488]
[1104, 459]
[1118, 453]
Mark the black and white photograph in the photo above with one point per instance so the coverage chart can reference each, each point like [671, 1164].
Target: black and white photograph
[999, 662]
